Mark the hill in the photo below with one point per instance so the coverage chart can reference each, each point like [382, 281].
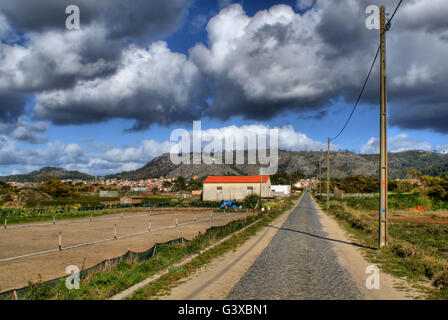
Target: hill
[342, 164]
[48, 173]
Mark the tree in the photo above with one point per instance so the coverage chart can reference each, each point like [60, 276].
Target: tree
[58, 189]
[180, 183]
[252, 201]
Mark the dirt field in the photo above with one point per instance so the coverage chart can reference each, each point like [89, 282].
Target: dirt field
[15, 242]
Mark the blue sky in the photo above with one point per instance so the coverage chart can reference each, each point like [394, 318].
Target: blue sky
[311, 106]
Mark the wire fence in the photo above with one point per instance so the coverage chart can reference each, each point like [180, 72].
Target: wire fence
[7, 226]
[60, 247]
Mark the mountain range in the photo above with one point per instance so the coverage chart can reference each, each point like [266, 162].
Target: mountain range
[343, 163]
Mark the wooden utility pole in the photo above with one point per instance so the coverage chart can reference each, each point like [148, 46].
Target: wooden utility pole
[328, 174]
[320, 178]
[383, 135]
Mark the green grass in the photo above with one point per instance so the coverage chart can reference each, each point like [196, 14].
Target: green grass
[396, 202]
[417, 252]
[112, 280]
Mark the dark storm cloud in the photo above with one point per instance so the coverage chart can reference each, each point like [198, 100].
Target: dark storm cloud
[255, 67]
[51, 58]
[12, 105]
[121, 18]
[276, 61]
[153, 86]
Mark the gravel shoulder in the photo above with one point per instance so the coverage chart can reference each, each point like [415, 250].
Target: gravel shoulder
[351, 258]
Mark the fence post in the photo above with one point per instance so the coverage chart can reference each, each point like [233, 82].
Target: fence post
[54, 221]
[60, 241]
[6, 223]
[91, 215]
[115, 233]
[155, 249]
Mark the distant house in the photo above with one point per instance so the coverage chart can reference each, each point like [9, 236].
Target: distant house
[130, 200]
[281, 190]
[219, 188]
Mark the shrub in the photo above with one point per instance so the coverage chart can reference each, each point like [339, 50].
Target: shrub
[252, 201]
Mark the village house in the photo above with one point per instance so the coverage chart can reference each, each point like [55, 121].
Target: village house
[219, 188]
[130, 200]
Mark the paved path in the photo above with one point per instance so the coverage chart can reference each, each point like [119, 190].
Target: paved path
[299, 263]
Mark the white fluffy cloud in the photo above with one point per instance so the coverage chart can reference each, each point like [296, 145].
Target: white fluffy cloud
[304, 4]
[255, 66]
[150, 86]
[100, 159]
[399, 143]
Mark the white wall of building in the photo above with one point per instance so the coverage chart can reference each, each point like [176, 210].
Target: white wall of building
[285, 189]
[234, 191]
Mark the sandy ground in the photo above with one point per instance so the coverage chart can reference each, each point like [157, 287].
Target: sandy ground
[14, 242]
[215, 280]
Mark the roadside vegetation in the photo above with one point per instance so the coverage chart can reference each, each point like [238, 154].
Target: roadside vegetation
[418, 237]
[112, 280]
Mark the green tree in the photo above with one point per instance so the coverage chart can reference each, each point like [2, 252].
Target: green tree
[180, 184]
[58, 189]
[252, 201]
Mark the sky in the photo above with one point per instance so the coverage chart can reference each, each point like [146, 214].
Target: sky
[105, 98]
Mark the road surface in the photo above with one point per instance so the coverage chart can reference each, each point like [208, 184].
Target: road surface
[303, 254]
[299, 263]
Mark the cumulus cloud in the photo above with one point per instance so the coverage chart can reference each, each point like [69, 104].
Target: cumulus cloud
[304, 4]
[122, 19]
[288, 138]
[252, 66]
[23, 130]
[98, 158]
[399, 143]
[280, 60]
[150, 86]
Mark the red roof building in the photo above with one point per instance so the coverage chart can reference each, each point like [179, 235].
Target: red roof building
[225, 188]
[236, 179]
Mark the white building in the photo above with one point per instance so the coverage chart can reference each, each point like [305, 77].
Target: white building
[284, 190]
[219, 188]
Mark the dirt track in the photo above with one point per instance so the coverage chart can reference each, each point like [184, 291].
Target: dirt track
[14, 242]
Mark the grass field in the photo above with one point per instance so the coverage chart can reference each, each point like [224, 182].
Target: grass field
[417, 251]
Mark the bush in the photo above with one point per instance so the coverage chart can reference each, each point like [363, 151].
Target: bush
[252, 201]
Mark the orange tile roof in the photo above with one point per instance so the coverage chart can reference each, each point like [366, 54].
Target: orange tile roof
[236, 179]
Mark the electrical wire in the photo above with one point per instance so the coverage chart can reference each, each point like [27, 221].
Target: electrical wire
[387, 27]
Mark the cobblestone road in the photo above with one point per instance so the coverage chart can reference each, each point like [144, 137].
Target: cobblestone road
[299, 263]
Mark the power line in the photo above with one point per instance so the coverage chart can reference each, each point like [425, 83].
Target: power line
[359, 96]
[368, 75]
